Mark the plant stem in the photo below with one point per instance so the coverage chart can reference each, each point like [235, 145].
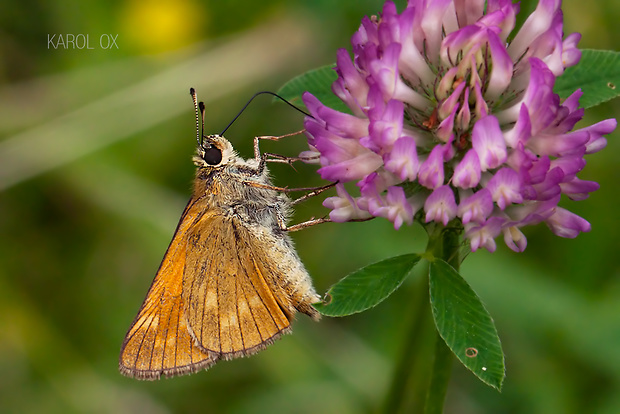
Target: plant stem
[410, 354]
[443, 243]
[407, 394]
[440, 378]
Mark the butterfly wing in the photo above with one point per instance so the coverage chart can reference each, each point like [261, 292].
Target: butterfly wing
[159, 341]
[232, 307]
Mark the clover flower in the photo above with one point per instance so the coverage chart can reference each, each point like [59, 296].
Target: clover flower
[450, 121]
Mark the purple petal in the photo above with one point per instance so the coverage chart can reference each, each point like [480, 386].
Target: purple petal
[389, 29]
[484, 235]
[403, 159]
[501, 74]
[538, 98]
[548, 46]
[344, 124]
[538, 169]
[432, 27]
[352, 169]
[333, 148]
[549, 188]
[386, 126]
[514, 239]
[412, 62]
[596, 142]
[557, 145]
[463, 117]
[536, 24]
[488, 142]
[445, 129]
[448, 106]
[522, 130]
[565, 224]
[469, 12]
[476, 208]
[577, 189]
[440, 206]
[351, 85]
[570, 165]
[505, 188]
[343, 207]
[462, 42]
[533, 212]
[398, 209]
[467, 172]
[431, 174]
[570, 54]
[502, 14]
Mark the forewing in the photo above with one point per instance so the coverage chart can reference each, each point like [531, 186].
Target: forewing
[159, 342]
[232, 310]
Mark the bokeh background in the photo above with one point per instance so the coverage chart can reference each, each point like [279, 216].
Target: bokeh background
[95, 170]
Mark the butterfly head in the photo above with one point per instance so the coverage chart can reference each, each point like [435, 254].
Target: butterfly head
[214, 151]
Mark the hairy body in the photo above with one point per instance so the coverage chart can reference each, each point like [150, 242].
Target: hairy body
[230, 282]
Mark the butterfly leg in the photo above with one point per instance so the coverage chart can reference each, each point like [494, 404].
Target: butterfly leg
[313, 222]
[312, 193]
[289, 160]
[312, 190]
[262, 158]
[306, 224]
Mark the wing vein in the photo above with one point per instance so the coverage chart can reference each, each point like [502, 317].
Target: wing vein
[142, 341]
[176, 343]
[165, 337]
[219, 325]
[250, 308]
[257, 292]
[237, 308]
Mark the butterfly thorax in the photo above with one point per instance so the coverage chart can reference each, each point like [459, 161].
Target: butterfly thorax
[242, 189]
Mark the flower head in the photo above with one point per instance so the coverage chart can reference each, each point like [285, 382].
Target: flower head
[438, 97]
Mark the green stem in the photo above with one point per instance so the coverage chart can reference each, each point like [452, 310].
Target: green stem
[440, 377]
[443, 243]
[409, 360]
[407, 392]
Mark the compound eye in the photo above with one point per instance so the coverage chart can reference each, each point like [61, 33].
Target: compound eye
[213, 156]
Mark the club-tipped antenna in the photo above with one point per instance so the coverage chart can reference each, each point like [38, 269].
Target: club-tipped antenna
[261, 93]
[199, 132]
[201, 106]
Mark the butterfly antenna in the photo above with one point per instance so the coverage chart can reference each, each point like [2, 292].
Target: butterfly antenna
[199, 134]
[201, 106]
[261, 93]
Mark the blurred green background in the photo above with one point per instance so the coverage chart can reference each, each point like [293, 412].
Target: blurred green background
[95, 170]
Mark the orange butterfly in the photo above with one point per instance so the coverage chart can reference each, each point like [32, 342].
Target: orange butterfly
[230, 281]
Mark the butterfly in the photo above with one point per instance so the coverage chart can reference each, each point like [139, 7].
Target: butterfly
[230, 281]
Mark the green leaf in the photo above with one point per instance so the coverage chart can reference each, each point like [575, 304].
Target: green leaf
[597, 74]
[367, 287]
[319, 83]
[465, 325]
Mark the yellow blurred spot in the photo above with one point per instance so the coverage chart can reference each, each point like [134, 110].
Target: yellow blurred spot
[156, 26]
